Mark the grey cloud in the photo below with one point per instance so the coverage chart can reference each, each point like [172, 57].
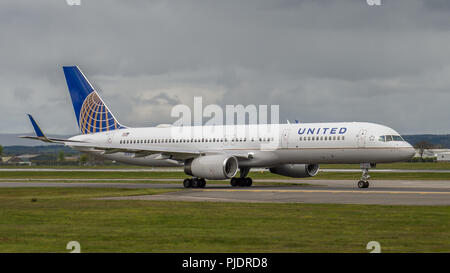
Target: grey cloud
[22, 93]
[159, 99]
[319, 60]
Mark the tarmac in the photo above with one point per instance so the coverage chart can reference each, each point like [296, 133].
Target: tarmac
[382, 192]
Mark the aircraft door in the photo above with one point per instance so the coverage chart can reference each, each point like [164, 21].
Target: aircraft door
[361, 138]
[284, 138]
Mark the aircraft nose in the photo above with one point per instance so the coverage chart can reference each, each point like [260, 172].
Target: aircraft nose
[410, 151]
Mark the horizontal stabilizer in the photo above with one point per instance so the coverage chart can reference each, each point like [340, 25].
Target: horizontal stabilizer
[52, 140]
[40, 135]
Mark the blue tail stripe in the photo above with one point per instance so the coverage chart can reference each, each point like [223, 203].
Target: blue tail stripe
[92, 114]
[79, 87]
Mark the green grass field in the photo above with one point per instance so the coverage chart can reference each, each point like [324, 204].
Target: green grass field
[62, 215]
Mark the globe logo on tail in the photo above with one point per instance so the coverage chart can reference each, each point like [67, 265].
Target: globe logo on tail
[95, 116]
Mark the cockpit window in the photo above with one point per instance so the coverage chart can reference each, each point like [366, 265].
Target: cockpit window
[390, 138]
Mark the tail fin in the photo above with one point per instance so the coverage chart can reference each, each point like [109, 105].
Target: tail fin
[92, 113]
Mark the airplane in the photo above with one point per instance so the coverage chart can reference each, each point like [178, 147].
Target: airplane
[300, 147]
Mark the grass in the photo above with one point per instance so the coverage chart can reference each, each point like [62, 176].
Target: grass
[180, 175]
[61, 215]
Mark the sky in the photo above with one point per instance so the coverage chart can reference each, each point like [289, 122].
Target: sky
[319, 60]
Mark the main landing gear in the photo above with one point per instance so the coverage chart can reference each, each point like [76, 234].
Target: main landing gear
[194, 182]
[364, 182]
[242, 180]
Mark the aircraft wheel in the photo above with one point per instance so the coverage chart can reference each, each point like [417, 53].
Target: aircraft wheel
[187, 183]
[234, 182]
[196, 183]
[242, 182]
[248, 182]
[361, 184]
[366, 184]
[202, 183]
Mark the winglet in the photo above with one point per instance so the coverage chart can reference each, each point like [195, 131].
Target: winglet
[36, 127]
[39, 134]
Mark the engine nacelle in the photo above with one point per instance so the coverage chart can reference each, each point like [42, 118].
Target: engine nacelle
[214, 167]
[296, 170]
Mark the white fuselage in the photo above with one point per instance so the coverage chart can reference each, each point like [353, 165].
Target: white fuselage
[298, 143]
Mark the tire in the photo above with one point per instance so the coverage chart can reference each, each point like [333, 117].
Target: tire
[361, 184]
[366, 184]
[234, 182]
[195, 183]
[249, 182]
[242, 182]
[202, 183]
[187, 183]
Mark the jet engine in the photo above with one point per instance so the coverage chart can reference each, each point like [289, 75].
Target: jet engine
[214, 167]
[296, 170]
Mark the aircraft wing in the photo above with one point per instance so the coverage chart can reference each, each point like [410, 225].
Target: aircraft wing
[162, 152]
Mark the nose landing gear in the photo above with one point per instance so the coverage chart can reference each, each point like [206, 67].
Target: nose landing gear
[364, 182]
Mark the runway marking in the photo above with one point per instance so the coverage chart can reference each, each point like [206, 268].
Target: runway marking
[328, 191]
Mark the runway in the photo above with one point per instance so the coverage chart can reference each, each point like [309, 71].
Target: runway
[383, 192]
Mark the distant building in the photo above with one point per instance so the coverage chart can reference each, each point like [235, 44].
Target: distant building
[18, 160]
[431, 152]
[443, 157]
[5, 159]
[72, 158]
